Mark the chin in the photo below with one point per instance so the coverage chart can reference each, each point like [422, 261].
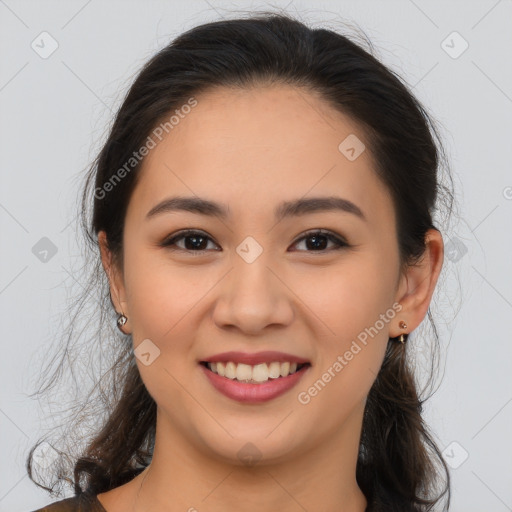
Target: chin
[244, 449]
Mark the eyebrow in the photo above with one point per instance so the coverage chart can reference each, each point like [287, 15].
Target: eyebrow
[293, 208]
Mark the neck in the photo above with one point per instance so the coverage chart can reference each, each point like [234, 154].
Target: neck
[182, 478]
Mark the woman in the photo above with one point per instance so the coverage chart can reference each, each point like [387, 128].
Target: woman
[263, 211]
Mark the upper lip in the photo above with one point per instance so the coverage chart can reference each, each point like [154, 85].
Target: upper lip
[256, 358]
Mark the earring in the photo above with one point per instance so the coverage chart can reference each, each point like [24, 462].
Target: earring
[401, 338]
[121, 321]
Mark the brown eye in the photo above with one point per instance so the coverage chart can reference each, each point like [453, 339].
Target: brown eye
[195, 241]
[320, 240]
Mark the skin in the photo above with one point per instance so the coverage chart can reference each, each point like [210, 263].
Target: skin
[251, 149]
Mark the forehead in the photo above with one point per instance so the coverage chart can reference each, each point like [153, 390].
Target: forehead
[253, 148]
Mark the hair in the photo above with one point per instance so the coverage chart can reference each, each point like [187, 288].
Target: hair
[399, 465]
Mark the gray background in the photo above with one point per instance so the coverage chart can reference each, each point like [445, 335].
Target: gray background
[54, 112]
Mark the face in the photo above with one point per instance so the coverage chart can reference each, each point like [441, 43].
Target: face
[252, 282]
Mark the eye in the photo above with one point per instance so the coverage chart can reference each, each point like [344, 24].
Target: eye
[198, 241]
[320, 238]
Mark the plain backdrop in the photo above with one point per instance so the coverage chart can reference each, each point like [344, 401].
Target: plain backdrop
[66, 65]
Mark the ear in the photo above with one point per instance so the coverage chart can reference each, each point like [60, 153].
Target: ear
[418, 283]
[115, 278]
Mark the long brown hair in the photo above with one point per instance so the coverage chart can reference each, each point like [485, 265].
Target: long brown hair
[400, 466]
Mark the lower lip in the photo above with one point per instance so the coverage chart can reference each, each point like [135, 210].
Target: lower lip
[253, 393]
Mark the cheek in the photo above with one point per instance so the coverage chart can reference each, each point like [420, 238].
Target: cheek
[352, 312]
[163, 298]
[160, 292]
[347, 297]
[340, 299]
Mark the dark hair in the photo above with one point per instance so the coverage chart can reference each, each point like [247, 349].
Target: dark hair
[399, 465]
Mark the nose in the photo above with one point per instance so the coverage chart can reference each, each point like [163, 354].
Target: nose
[253, 296]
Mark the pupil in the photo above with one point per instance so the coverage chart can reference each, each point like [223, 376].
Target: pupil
[319, 242]
[315, 245]
[194, 245]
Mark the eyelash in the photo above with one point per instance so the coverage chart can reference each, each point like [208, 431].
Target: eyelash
[340, 243]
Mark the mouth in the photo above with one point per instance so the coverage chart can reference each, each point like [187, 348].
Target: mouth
[254, 374]
[253, 384]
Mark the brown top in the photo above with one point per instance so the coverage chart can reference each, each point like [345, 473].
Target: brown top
[85, 502]
[88, 502]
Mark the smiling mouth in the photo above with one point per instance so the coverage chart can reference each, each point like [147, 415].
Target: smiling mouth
[254, 374]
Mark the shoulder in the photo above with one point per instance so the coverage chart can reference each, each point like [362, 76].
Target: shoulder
[85, 502]
[66, 505]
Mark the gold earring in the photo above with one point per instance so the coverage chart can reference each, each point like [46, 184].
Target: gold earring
[401, 338]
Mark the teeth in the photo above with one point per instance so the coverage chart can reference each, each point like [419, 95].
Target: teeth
[243, 372]
[230, 370]
[274, 370]
[257, 373]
